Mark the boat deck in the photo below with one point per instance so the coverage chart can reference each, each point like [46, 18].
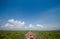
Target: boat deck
[30, 35]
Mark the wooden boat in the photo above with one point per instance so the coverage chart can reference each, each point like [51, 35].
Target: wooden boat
[30, 35]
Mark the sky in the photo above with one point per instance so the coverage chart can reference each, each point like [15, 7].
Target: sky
[29, 14]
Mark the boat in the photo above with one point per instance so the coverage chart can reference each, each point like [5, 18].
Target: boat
[30, 35]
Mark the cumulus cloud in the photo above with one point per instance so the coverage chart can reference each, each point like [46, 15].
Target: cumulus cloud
[39, 25]
[31, 26]
[14, 23]
[8, 25]
[42, 27]
[35, 26]
[20, 25]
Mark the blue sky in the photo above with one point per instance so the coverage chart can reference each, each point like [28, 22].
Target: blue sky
[45, 12]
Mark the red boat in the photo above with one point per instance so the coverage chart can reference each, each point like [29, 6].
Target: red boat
[30, 35]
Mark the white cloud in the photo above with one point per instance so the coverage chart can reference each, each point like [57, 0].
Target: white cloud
[38, 25]
[19, 25]
[30, 26]
[14, 23]
[11, 20]
[8, 25]
[33, 27]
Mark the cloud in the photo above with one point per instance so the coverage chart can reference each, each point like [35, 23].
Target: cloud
[14, 23]
[42, 27]
[34, 27]
[31, 26]
[20, 25]
[39, 25]
[8, 25]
